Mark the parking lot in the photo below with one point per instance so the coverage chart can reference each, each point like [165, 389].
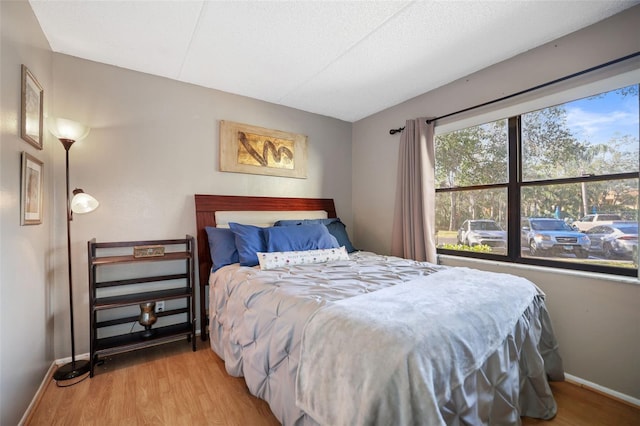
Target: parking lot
[445, 237]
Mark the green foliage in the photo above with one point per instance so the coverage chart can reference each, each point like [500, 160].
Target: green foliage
[478, 248]
[551, 149]
[547, 143]
[473, 156]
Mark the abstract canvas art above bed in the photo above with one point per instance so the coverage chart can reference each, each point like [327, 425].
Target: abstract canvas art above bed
[360, 338]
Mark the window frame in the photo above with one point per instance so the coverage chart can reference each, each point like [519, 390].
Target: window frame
[514, 187]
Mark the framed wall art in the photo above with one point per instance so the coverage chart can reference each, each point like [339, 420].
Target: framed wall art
[256, 150]
[31, 190]
[31, 111]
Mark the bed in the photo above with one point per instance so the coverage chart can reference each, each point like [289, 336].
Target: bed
[328, 336]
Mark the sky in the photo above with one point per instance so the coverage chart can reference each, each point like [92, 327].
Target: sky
[598, 119]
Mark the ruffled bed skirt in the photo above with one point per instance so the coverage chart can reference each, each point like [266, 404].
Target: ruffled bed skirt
[515, 376]
[512, 382]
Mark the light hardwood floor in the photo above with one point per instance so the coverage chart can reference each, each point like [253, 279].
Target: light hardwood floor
[171, 385]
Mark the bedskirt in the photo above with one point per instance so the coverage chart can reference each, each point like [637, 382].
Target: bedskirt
[395, 356]
[513, 381]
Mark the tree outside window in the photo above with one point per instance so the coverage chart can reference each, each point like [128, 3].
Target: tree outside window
[574, 159]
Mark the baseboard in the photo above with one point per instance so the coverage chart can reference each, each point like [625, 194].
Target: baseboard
[67, 360]
[618, 396]
[47, 377]
[38, 395]
[45, 380]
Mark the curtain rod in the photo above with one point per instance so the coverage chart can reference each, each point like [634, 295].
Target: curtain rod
[522, 92]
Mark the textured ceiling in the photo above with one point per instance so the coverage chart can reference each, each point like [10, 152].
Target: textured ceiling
[343, 59]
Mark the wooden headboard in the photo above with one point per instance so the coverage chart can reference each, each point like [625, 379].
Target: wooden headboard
[208, 205]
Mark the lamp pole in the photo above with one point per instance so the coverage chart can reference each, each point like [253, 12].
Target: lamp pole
[74, 368]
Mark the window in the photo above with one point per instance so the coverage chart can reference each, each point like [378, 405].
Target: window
[556, 186]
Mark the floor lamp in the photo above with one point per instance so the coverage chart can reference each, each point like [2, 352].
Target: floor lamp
[68, 132]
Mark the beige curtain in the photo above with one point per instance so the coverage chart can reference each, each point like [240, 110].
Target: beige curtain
[413, 234]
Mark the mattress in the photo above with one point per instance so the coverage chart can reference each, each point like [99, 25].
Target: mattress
[258, 318]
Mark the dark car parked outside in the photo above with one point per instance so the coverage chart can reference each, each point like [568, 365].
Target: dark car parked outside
[552, 236]
[615, 240]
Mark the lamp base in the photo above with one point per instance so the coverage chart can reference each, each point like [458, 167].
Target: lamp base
[71, 370]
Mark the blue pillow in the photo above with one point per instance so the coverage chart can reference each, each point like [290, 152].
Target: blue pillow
[222, 246]
[249, 241]
[339, 230]
[291, 222]
[334, 225]
[299, 238]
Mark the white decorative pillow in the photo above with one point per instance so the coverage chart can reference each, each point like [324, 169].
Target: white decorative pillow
[277, 259]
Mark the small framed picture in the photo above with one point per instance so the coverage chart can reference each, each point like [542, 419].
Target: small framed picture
[148, 251]
[31, 191]
[32, 106]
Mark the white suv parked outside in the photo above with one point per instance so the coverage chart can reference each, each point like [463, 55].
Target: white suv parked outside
[482, 232]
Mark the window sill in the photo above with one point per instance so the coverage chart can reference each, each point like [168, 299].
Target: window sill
[558, 271]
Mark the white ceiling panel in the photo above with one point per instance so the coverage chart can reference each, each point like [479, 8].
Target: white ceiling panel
[269, 49]
[343, 59]
[147, 36]
[426, 46]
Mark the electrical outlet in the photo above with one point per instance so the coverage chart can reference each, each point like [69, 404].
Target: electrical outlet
[160, 306]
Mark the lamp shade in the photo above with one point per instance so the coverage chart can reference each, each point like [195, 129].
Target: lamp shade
[67, 129]
[83, 203]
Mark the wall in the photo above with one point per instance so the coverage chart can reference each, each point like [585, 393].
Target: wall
[597, 320]
[153, 145]
[26, 321]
